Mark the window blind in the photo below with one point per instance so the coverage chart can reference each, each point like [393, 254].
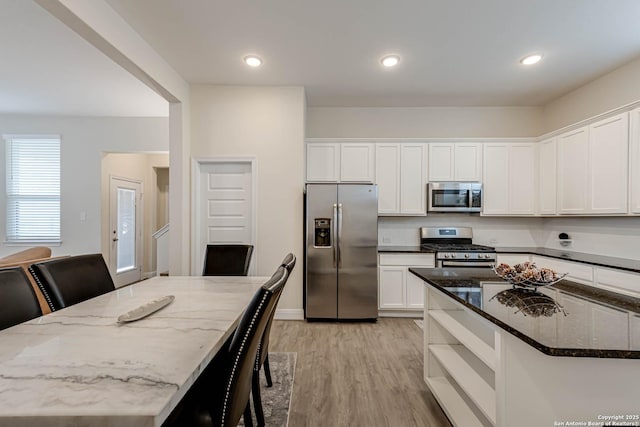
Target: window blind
[33, 189]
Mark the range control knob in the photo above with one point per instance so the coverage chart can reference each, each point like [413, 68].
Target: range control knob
[466, 255]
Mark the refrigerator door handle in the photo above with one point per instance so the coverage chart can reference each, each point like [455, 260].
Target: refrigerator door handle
[339, 234]
[333, 232]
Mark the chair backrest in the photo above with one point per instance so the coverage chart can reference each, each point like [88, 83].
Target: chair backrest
[70, 280]
[243, 349]
[227, 260]
[289, 262]
[18, 301]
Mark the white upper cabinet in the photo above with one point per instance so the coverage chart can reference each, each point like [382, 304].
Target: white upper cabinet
[573, 171]
[609, 162]
[593, 168]
[401, 178]
[455, 161]
[323, 162]
[340, 162]
[634, 163]
[388, 178]
[413, 189]
[509, 179]
[547, 181]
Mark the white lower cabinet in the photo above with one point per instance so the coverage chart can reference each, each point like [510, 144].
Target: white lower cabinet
[482, 375]
[619, 281]
[460, 359]
[512, 259]
[399, 289]
[578, 272]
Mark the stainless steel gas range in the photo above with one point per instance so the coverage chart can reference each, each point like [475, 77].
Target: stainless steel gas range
[454, 247]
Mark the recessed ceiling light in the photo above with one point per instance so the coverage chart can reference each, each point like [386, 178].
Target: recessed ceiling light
[252, 61]
[390, 60]
[531, 59]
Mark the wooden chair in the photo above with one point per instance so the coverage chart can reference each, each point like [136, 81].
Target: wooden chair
[262, 358]
[227, 260]
[221, 395]
[18, 301]
[70, 280]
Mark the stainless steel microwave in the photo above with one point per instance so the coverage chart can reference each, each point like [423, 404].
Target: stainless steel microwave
[454, 197]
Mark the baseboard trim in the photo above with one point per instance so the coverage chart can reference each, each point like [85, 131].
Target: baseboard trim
[148, 275]
[289, 314]
[416, 314]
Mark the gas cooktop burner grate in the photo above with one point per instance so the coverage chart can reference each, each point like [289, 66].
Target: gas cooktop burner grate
[457, 247]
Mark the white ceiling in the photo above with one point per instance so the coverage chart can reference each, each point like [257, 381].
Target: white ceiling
[454, 52]
[48, 69]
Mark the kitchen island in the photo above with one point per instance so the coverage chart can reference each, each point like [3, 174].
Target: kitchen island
[500, 356]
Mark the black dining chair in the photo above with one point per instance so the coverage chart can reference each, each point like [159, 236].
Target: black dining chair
[227, 260]
[18, 301]
[70, 280]
[221, 395]
[262, 359]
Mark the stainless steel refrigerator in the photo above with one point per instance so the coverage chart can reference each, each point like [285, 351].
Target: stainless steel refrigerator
[341, 233]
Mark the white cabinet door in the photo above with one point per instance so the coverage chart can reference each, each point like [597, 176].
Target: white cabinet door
[455, 161]
[573, 172]
[608, 165]
[392, 287]
[634, 161]
[323, 162]
[413, 190]
[441, 158]
[415, 291]
[357, 162]
[388, 178]
[467, 162]
[522, 179]
[495, 182]
[547, 177]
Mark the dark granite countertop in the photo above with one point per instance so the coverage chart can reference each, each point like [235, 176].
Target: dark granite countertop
[555, 320]
[600, 260]
[405, 249]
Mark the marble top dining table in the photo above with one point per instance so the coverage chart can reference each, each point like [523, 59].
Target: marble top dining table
[79, 367]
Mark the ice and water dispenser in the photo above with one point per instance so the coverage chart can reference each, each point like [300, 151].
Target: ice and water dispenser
[322, 232]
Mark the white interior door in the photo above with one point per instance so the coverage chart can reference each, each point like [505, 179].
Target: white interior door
[125, 219]
[224, 207]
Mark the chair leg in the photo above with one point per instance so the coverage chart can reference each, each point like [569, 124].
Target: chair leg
[257, 398]
[248, 422]
[267, 371]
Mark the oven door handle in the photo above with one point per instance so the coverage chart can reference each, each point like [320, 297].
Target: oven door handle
[467, 263]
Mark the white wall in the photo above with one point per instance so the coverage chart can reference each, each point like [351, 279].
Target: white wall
[83, 141]
[617, 237]
[139, 167]
[423, 122]
[266, 123]
[614, 89]
[491, 231]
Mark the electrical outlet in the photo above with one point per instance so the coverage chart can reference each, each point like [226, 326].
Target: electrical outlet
[493, 241]
[386, 239]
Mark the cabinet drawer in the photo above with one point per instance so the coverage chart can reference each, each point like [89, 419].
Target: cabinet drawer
[618, 281]
[413, 260]
[578, 272]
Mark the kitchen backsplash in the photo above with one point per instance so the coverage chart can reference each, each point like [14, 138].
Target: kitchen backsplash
[618, 237]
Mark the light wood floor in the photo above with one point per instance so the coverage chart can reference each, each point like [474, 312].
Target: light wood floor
[357, 374]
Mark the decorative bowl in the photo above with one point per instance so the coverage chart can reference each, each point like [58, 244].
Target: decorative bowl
[527, 275]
